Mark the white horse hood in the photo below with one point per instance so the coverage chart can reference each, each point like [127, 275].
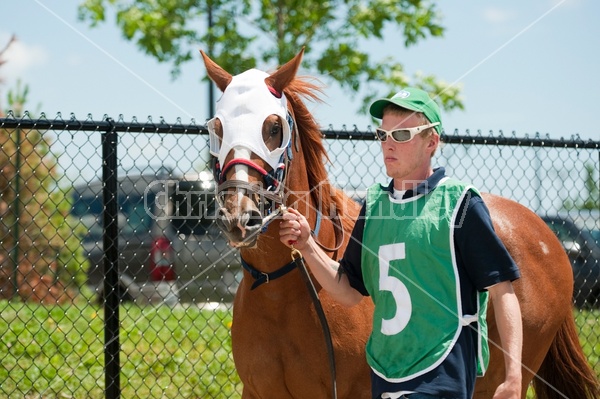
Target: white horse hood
[242, 109]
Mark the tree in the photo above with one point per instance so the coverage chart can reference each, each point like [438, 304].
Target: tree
[41, 258]
[3, 61]
[331, 32]
[589, 198]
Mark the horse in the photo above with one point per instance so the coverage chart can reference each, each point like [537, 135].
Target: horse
[268, 155]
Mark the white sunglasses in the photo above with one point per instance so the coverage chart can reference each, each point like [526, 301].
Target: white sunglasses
[402, 135]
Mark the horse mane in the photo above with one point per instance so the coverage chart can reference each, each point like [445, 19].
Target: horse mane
[326, 196]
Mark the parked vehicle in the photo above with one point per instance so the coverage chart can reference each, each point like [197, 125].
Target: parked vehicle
[170, 249]
[579, 232]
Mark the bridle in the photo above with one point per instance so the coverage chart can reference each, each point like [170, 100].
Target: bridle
[269, 195]
[271, 199]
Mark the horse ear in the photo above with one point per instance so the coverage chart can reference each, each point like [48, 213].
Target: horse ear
[284, 75]
[221, 77]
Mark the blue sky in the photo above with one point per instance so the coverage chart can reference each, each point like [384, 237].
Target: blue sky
[523, 66]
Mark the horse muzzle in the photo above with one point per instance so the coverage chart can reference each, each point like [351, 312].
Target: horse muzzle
[244, 209]
[241, 227]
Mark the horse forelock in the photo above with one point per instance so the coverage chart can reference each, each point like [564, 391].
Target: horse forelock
[311, 140]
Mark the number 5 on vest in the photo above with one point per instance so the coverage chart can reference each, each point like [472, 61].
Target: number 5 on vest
[388, 253]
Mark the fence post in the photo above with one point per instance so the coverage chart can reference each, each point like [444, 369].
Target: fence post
[16, 205]
[111, 262]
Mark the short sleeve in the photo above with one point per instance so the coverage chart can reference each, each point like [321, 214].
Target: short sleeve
[486, 259]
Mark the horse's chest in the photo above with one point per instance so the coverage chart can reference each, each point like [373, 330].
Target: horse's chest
[266, 338]
[280, 350]
[281, 370]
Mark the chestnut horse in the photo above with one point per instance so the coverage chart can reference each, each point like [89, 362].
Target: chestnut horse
[268, 151]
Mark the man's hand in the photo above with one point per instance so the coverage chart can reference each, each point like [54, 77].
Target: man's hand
[294, 229]
[508, 390]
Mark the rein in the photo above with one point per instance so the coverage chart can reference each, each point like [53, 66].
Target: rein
[339, 233]
[299, 262]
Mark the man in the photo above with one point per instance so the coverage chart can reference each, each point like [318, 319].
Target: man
[425, 250]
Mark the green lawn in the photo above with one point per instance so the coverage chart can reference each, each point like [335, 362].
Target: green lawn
[57, 351]
[588, 325]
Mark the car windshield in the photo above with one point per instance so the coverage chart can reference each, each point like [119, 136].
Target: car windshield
[596, 235]
[588, 220]
[194, 208]
[133, 217]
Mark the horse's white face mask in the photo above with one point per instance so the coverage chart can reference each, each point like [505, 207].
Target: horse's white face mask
[242, 109]
[243, 130]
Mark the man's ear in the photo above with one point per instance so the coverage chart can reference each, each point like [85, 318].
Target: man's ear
[433, 143]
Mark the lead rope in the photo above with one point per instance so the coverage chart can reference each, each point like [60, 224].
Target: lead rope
[299, 261]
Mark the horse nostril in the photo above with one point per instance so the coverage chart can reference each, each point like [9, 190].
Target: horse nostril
[255, 218]
[224, 220]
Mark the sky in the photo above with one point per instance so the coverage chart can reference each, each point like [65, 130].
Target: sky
[524, 67]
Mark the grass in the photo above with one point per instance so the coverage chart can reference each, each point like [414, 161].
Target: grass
[589, 335]
[57, 351]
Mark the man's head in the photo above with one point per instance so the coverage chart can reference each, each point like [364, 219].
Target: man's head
[412, 99]
[408, 133]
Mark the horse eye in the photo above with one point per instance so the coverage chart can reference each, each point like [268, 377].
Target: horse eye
[275, 129]
[272, 133]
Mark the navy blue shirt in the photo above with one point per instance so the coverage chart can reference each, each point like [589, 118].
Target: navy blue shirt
[482, 261]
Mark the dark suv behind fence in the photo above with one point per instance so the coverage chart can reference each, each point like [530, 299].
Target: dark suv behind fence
[170, 249]
[579, 232]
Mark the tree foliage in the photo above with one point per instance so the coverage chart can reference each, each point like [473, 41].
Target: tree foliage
[589, 197]
[3, 61]
[40, 254]
[244, 33]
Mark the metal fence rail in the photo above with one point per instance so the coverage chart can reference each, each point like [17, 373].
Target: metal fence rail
[114, 280]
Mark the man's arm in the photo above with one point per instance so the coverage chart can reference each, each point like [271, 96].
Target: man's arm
[295, 230]
[510, 328]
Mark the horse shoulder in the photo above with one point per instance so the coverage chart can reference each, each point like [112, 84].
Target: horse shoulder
[525, 233]
[532, 244]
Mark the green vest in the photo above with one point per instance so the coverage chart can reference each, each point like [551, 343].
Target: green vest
[409, 269]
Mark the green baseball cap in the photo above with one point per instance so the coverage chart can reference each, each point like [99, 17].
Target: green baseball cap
[412, 99]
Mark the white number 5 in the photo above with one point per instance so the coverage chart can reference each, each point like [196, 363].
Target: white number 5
[387, 253]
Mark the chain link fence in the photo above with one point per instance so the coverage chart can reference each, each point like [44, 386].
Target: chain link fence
[156, 323]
